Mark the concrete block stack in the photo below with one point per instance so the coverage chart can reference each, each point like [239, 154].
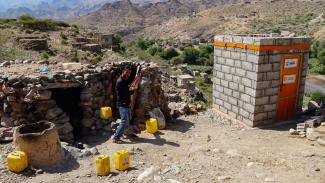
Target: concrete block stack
[247, 72]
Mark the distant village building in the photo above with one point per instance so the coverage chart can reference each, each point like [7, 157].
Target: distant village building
[95, 44]
[104, 40]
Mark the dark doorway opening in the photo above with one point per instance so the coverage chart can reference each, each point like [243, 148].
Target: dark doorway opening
[68, 99]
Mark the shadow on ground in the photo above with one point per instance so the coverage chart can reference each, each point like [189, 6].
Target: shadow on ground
[285, 125]
[156, 141]
[68, 164]
[179, 125]
[94, 141]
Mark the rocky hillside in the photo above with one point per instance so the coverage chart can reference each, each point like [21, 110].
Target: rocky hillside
[128, 18]
[300, 17]
[205, 18]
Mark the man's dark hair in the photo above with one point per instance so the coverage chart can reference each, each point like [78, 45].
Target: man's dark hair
[127, 67]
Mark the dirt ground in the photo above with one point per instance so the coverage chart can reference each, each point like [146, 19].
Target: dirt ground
[182, 153]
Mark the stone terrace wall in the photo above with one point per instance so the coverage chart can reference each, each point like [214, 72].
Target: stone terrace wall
[28, 98]
[246, 82]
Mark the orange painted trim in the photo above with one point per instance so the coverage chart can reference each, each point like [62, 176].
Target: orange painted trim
[262, 48]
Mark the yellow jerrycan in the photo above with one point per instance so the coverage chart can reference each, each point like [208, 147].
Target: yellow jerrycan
[17, 161]
[122, 160]
[103, 165]
[152, 125]
[105, 113]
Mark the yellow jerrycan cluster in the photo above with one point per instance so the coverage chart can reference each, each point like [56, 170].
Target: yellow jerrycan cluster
[103, 165]
[152, 125]
[105, 113]
[122, 160]
[17, 161]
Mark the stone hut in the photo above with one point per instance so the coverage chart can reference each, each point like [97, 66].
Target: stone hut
[259, 79]
[72, 99]
[104, 40]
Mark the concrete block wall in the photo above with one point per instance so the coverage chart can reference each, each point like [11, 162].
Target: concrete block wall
[247, 82]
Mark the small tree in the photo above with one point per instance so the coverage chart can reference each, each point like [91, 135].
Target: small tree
[117, 39]
[141, 44]
[177, 60]
[170, 53]
[190, 55]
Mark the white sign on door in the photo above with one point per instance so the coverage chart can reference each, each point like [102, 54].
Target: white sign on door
[290, 63]
[289, 79]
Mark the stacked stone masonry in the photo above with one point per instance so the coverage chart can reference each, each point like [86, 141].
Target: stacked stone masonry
[247, 82]
[27, 98]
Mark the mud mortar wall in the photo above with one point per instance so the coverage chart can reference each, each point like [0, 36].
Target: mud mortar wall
[28, 98]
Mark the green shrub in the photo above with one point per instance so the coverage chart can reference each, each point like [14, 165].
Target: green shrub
[321, 56]
[171, 53]
[177, 60]
[44, 55]
[309, 17]
[90, 34]
[317, 97]
[64, 42]
[276, 30]
[153, 50]
[316, 66]
[206, 51]
[144, 44]
[117, 41]
[168, 54]
[26, 18]
[63, 36]
[190, 55]
[75, 59]
[29, 31]
[75, 29]
[95, 60]
[29, 22]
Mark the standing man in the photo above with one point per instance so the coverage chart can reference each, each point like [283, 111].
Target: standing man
[124, 92]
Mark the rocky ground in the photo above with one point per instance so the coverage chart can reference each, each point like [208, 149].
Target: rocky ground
[184, 153]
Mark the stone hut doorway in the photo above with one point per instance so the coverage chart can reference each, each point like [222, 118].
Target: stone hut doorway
[68, 99]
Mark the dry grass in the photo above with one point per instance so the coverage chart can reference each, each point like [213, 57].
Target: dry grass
[10, 50]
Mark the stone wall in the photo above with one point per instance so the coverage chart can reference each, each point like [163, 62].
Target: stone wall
[27, 98]
[92, 47]
[34, 44]
[247, 82]
[105, 40]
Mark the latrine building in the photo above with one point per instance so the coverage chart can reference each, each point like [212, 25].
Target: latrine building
[259, 79]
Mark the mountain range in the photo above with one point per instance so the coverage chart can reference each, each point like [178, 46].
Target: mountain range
[184, 19]
[56, 9]
[127, 17]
